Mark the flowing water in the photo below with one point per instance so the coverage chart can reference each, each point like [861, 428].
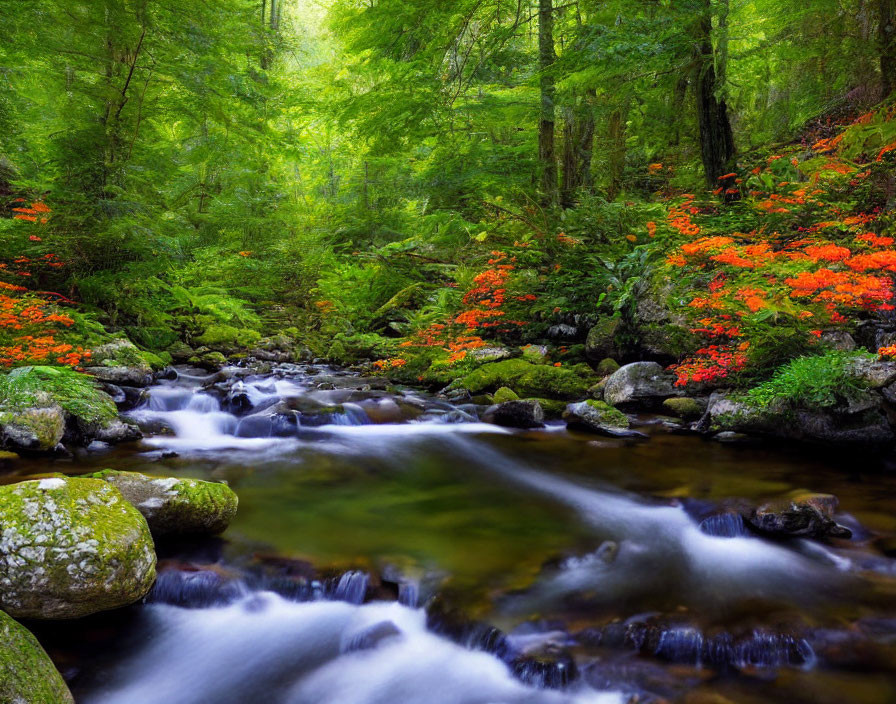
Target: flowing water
[391, 549]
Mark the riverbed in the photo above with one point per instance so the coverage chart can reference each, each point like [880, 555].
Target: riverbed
[391, 548]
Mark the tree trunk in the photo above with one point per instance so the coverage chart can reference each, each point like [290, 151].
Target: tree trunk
[617, 136]
[578, 141]
[887, 33]
[716, 136]
[546, 155]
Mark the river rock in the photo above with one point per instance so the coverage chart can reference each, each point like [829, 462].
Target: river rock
[27, 675]
[504, 394]
[640, 383]
[71, 547]
[173, 505]
[120, 362]
[515, 414]
[601, 341]
[800, 515]
[598, 417]
[685, 407]
[37, 429]
[858, 421]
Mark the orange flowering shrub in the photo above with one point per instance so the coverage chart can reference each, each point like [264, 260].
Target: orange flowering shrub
[30, 322]
[809, 263]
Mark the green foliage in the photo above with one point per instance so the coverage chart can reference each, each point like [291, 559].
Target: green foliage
[811, 382]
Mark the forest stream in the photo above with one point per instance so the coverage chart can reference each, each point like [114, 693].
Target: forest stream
[390, 548]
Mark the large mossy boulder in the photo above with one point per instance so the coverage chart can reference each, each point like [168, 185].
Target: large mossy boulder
[120, 362]
[27, 675]
[176, 506]
[71, 547]
[530, 380]
[598, 417]
[641, 383]
[41, 406]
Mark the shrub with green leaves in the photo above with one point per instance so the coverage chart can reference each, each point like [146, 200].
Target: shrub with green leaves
[811, 382]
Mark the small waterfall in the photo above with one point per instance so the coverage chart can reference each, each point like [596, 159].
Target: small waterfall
[724, 525]
[351, 587]
[264, 648]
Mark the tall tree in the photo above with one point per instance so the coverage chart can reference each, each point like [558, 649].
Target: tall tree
[887, 34]
[546, 57]
[716, 135]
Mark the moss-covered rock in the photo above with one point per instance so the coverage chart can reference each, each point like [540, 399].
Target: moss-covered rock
[504, 394]
[601, 342]
[208, 359]
[176, 505]
[537, 354]
[27, 675]
[40, 406]
[180, 351]
[156, 362]
[71, 547]
[37, 429]
[120, 362]
[607, 366]
[598, 417]
[552, 408]
[686, 408]
[532, 380]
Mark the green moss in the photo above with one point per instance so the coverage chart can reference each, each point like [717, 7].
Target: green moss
[504, 394]
[26, 672]
[176, 505]
[527, 379]
[118, 353]
[686, 408]
[77, 394]
[90, 550]
[337, 353]
[552, 407]
[156, 361]
[608, 414]
[607, 366]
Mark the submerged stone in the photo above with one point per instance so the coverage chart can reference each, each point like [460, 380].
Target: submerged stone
[27, 675]
[71, 547]
[176, 506]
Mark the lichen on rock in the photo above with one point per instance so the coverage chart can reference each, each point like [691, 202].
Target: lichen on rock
[71, 547]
